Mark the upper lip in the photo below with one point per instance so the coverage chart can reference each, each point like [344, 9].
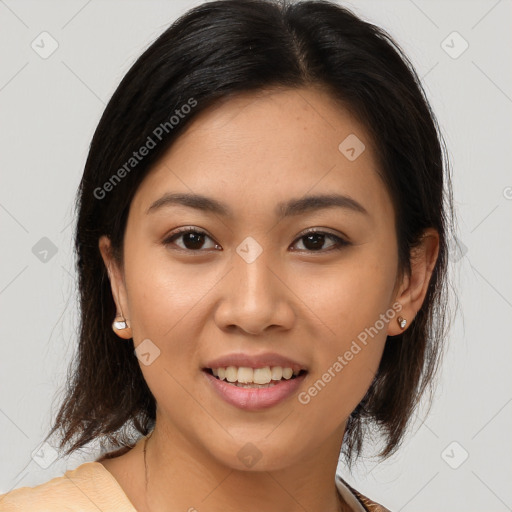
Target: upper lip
[255, 361]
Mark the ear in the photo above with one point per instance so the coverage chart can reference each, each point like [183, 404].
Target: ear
[412, 290]
[117, 285]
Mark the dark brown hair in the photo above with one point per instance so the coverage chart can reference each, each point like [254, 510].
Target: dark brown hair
[213, 52]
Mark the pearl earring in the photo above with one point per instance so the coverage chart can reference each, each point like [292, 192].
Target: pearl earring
[401, 322]
[119, 325]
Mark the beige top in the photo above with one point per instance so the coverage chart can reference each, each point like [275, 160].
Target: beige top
[91, 488]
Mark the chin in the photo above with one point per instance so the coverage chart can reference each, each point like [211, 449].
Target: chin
[255, 454]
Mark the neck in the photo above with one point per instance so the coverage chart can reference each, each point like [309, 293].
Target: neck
[180, 476]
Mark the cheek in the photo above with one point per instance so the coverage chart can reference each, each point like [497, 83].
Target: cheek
[350, 295]
[166, 306]
[163, 294]
[351, 303]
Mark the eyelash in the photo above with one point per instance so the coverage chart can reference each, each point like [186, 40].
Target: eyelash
[340, 243]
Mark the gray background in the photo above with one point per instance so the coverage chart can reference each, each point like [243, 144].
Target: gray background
[49, 109]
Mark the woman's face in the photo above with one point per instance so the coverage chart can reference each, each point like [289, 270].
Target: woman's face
[251, 178]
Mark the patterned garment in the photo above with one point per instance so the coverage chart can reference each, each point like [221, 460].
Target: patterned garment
[368, 504]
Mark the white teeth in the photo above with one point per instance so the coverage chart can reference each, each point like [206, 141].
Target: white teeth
[231, 374]
[277, 373]
[262, 375]
[245, 375]
[254, 377]
[287, 373]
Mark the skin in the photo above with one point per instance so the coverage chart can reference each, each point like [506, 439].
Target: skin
[251, 152]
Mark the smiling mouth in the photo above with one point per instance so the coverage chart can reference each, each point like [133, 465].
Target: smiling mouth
[245, 377]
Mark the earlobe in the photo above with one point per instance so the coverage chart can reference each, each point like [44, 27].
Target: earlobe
[414, 287]
[402, 322]
[121, 328]
[120, 324]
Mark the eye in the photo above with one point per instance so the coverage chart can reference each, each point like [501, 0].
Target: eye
[193, 239]
[315, 239]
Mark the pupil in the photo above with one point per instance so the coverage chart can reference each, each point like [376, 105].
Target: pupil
[317, 240]
[195, 239]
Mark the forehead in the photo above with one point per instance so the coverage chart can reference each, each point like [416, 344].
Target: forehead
[260, 149]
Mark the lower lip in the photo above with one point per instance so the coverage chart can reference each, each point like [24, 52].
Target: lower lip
[254, 399]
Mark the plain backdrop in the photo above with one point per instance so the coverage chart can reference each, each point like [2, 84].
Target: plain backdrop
[52, 94]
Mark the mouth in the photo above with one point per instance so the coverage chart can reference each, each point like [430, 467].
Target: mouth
[254, 389]
[255, 378]
[246, 377]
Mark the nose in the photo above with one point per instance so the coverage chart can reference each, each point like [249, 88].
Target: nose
[254, 297]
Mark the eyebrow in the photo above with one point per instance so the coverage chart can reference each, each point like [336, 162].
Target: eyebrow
[289, 208]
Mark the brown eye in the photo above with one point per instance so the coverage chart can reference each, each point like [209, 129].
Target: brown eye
[191, 240]
[314, 241]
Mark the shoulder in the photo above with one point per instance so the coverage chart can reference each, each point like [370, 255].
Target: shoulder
[364, 503]
[89, 487]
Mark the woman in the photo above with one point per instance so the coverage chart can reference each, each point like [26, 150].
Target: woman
[262, 250]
